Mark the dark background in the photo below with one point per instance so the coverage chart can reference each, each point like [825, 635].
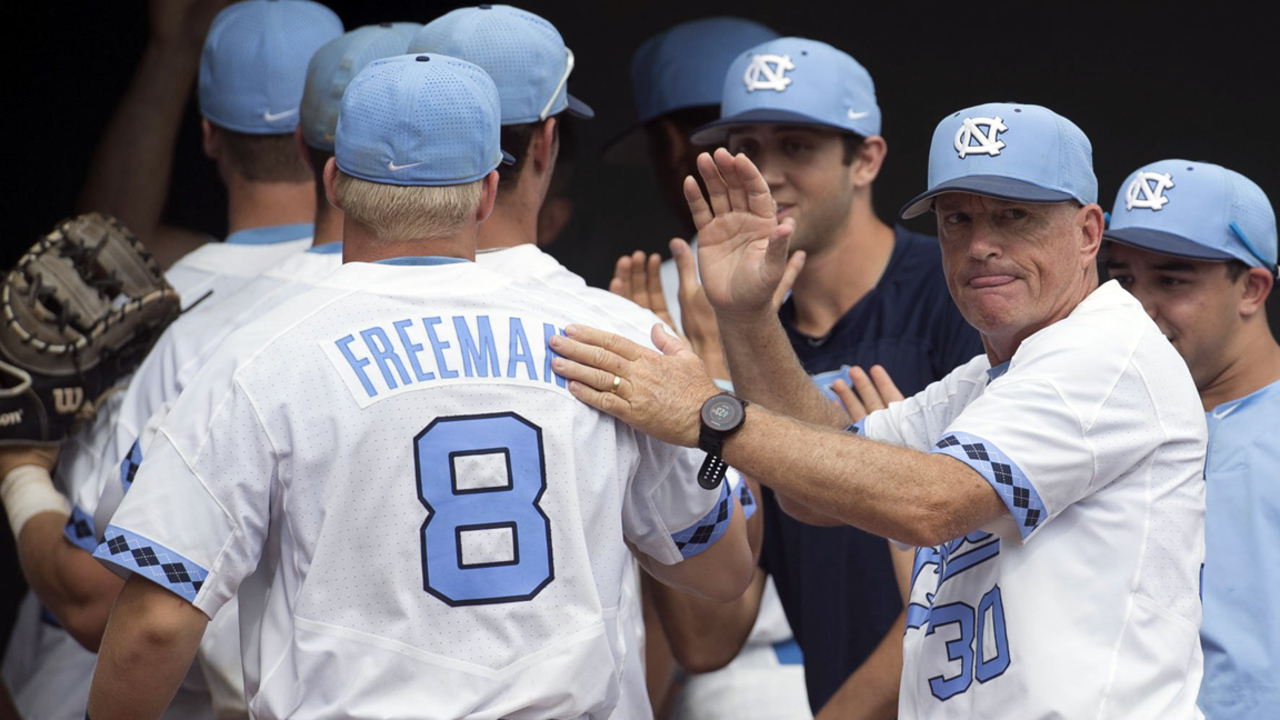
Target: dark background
[1145, 81]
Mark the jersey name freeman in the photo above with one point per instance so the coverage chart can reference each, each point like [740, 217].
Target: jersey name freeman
[383, 360]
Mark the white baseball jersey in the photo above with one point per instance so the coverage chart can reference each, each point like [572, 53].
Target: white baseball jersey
[529, 264]
[215, 269]
[417, 515]
[1083, 601]
[168, 368]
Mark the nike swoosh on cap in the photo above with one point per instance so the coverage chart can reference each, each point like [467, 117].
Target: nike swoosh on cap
[394, 167]
[272, 117]
[858, 115]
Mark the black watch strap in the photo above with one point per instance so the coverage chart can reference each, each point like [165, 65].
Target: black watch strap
[721, 416]
[712, 472]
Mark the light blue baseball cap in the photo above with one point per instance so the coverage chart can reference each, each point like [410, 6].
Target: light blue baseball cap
[1195, 210]
[332, 68]
[523, 53]
[684, 66]
[794, 81]
[679, 68]
[254, 63]
[419, 120]
[1009, 151]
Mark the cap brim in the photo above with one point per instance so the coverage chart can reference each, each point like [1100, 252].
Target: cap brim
[1164, 243]
[578, 109]
[715, 133]
[1001, 188]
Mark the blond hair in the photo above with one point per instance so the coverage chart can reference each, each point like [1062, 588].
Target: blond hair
[407, 212]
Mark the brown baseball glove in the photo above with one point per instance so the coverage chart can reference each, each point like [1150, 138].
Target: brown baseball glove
[79, 312]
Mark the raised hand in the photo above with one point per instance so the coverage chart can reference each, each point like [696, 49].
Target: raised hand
[866, 393]
[639, 280]
[742, 248]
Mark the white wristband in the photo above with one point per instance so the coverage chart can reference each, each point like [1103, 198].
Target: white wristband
[28, 491]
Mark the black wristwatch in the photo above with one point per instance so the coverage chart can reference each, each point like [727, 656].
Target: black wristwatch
[722, 415]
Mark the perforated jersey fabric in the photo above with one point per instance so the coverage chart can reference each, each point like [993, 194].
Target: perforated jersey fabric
[1094, 438]
[464, 615]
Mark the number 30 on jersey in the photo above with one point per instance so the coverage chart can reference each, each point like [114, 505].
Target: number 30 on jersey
[486, 540]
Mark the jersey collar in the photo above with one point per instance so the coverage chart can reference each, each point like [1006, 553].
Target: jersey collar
[270, 234]
[329, 248]
[419, 260]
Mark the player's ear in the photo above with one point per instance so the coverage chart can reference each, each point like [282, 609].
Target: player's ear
[868, 159]
[1257, 285]
[1090, 222]
[210, 140]
[488, 193]
[544, 146]
[330, 180]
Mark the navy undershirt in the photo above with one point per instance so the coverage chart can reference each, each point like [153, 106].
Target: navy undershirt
[837, 584]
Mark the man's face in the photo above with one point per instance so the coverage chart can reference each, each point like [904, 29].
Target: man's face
[1012, 267]
[1193, 302]
[807, 176]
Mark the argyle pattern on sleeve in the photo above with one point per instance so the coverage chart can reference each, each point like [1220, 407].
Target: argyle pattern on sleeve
[1017, 492]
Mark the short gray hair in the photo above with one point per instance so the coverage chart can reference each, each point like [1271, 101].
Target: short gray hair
[407, 212]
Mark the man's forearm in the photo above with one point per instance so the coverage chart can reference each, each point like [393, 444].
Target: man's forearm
[705, 635]
[766, 371]
[871, 692]
[74, 587]
[894, 492]
[148, 646]
[129, 173]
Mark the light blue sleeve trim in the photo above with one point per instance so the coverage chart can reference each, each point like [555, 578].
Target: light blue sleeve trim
[79, 530]
[151, 560]
[747, 501]
[724, 385]
[1008, 480]
[704, 533]
[129, 466]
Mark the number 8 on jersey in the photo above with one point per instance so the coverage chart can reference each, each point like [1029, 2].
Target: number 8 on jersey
[486, 540]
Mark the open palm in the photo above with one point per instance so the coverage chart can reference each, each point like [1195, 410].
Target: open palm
[742, 248]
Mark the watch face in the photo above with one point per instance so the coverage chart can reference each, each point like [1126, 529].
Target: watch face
[722, 412]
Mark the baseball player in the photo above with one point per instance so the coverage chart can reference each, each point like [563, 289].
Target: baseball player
[676, 79]
[529, 63]
[181, 353]
[443, 535]
[1196, 244]
[1078, 435]
[868, 294]
[235, 88]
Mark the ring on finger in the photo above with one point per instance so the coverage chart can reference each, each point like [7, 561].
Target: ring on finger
[617, 381]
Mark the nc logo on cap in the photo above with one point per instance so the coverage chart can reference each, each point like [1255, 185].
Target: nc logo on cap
[972, 140]
[1147, 191]
[768, 72]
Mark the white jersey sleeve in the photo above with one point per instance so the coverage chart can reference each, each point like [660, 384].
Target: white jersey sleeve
[180, 353]
[223, 529]
[918, 421]
[1042, 435]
